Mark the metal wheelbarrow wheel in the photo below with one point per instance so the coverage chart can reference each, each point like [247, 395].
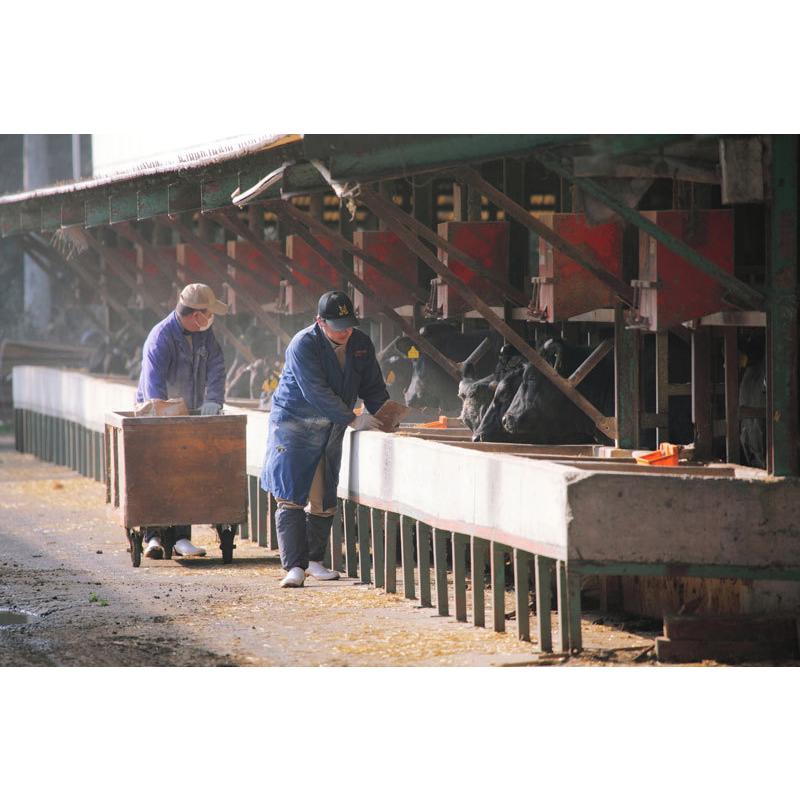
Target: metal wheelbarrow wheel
[226, 544]
[135, 545]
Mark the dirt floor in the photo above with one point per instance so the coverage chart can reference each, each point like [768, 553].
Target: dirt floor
[62, 560]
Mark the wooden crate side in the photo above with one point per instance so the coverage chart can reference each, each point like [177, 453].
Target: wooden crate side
[186, 470]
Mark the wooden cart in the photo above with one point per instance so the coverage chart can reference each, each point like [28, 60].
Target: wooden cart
[167, 471]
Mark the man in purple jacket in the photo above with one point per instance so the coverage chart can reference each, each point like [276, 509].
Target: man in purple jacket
[181, 358]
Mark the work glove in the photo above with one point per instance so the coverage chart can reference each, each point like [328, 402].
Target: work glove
[366, 422]
[210, 409]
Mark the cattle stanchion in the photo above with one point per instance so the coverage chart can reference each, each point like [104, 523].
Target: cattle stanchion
[440, 538]
[350, 537]
[364, 565]
[544, 595]
[250, 523]
[498, 568]
[574, 617]
[460, 575]
[562, 593]
[377, 533]
[407, 556]
[272, 533]
[522, 573]
[337, 538]
[478, 566]
[263, 514]
[392, 522]
[424, 564]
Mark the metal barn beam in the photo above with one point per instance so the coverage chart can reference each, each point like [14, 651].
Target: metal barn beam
[747, 294]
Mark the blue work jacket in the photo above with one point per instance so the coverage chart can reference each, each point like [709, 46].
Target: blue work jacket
[172, 369]
[311, 408]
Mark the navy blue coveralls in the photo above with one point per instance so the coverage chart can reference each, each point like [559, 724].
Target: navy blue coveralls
[311, 408]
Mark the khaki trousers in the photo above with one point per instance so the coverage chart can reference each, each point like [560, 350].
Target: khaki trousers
[315, 496]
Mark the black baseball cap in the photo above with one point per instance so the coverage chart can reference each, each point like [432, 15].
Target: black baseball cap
[336, 308]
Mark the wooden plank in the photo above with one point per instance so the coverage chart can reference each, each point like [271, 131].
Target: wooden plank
[690, 650]
[498, 569]
[594, 358]
[424, 564]
[390, 552]
[440, 538]
[377, 522]
[407, 556]
[739, 628]
[544, 599]
[460, 542]
[364, 562]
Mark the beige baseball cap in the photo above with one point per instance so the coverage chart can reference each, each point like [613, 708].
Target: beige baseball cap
[198, 295]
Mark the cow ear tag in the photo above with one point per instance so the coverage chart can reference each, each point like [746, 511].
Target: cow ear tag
[390, 378]
[413, 352]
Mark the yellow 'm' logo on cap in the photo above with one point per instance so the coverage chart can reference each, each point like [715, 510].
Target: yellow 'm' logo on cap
[343, 312]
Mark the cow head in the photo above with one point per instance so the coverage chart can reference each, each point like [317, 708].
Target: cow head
[542, 415]
[491, 428]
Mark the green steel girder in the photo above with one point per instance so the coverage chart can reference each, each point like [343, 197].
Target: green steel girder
[782, 316]
[51, 216]
[215, 193]
[183, 196]
[623, 144]
[364, 157]
[30, 219]
[73, 211]
[152, 202]
[748, 294]
[97, 210]
[122, 207]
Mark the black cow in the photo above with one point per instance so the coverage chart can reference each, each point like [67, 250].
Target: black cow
[430, 386]
[752, 431]
[491, 427]
[478, 395]
[540, 414]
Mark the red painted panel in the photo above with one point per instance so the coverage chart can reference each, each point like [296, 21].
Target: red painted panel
[195, 268]
[258, 279]
[566, 288]
[683, 292]
[487, 243]
[298, 250]
[385, 246]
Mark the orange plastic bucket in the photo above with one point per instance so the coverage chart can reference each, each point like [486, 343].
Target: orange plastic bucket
[665, 456]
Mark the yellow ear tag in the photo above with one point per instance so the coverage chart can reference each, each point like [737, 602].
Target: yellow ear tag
[413, 352]
[390, 378]
[743, 360]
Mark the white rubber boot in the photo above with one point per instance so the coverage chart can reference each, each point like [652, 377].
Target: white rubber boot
[294, 579]
[183, 547]
[153, 548]
[321, 573]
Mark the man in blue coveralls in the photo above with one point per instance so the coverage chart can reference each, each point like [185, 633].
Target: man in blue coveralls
[328, 365]
[181, 358]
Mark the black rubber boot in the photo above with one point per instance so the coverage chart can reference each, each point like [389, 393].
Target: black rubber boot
[292, 542]
[318, 530]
